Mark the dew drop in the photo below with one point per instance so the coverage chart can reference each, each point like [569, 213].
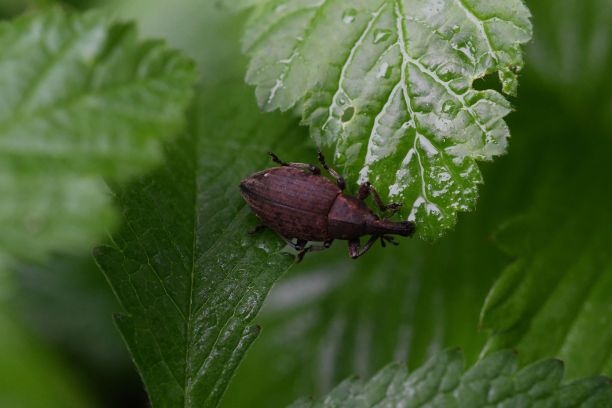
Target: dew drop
[384, 71]
[349, 15]
[381, 34]
[471, 47]
[449, 107]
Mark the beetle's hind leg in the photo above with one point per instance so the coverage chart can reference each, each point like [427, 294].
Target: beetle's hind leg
[301, 166]
[366, 189]
[339, 179]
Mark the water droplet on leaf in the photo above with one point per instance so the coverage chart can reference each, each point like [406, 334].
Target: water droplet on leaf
[384, 71]
[381, 34]
[349, 15]
[449, 107]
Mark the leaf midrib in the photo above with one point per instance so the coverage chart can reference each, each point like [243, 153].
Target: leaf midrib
[193, 128]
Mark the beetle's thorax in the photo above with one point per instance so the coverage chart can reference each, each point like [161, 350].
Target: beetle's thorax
[349, 218]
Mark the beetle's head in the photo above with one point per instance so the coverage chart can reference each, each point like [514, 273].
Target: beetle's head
[385, 227]
[405, 228]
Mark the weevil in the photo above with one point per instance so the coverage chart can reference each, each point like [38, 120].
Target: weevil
[300, 204]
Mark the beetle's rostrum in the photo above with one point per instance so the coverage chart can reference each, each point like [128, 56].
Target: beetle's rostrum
[297, 202]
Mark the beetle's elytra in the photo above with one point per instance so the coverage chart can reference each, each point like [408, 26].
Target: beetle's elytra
[297, 202]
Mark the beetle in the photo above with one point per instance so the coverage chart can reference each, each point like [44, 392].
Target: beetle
[300, 204]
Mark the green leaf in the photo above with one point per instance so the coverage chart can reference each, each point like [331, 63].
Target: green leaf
[82, 97]
[188, 275]
[387, 85]
[494, 381]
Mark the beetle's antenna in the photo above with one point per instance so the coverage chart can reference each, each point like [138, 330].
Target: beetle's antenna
[339, 179]
[276, 160]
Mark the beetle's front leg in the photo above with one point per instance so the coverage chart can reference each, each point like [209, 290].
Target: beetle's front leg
[366, 189]
[299, 245]
[339, 179]
[354, 244]
[302, 166]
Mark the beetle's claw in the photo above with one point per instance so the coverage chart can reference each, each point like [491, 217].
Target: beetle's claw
[390, 239]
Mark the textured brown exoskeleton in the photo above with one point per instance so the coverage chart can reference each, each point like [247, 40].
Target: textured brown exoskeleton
[298, 203]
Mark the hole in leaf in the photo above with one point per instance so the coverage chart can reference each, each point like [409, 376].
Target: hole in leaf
[348, 114]
[490, 81]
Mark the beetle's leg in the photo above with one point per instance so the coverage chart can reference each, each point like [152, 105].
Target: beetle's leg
[300, 256]
[306, 167]
[354, 250]
[298, 246]
[313, 248]
[389, 239]
[302, 166]
[339, 179]
[365, 189]
[257, 229]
